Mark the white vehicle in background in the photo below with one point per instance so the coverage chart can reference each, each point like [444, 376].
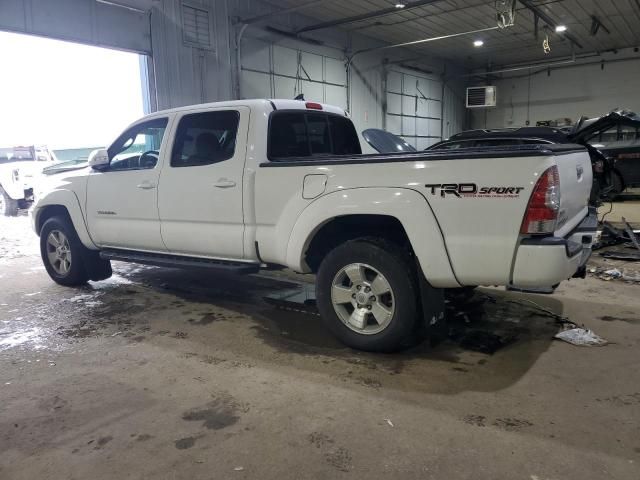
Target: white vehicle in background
[20, 172]
[244, 184]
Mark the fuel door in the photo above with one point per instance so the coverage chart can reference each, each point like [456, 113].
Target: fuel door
[313, 186]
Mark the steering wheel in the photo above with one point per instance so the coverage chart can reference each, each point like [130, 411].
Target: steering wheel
[149, 159]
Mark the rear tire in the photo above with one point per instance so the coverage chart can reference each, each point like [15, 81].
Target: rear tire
[62, 252]
[8, 206]
[367, 294]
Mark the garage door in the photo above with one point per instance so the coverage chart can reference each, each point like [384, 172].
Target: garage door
[274, 71]
[414, 108]
[93, 23]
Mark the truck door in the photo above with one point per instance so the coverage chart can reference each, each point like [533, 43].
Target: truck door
[200, 194]
[122, 200]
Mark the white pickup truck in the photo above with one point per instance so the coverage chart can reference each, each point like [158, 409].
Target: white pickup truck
[20, 171]
[245, 184]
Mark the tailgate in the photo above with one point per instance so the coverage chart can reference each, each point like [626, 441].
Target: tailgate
[576, 180]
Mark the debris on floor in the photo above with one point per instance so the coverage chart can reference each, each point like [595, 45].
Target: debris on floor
[485, 342]
[613, 273]
[626, 237]
[581, 338]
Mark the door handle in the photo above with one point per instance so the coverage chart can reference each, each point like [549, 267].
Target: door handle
[146, 185]
[224, 183]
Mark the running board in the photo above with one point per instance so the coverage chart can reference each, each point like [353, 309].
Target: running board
[176, 261]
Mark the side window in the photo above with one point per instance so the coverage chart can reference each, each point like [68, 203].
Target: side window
[139, 147]
[304, 134]
[205, 138]
[288, 136]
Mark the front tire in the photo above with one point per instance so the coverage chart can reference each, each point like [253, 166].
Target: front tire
[367, 294]
[8, 206]
[62, 252]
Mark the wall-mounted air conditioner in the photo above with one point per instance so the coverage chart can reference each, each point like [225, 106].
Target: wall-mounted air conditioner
[481, 97]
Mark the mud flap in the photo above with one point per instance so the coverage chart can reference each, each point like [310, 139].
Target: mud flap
[434, 323]
[96, 267]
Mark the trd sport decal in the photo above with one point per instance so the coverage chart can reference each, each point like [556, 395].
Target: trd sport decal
[472, 190]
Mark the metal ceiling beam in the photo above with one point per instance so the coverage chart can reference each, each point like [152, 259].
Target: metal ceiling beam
[366, 16]
[537, 11]
[283, 11]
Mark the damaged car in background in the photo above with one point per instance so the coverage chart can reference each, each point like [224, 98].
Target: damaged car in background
[612, 141]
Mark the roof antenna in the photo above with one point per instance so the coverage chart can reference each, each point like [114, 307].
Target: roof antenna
[300, 97]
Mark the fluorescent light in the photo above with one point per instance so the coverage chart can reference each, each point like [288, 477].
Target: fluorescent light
[561, 28]
[478, 43]
[400, 5]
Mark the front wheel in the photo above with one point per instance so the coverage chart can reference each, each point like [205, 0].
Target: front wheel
[367, 295]
[62, 252]
[8, 206]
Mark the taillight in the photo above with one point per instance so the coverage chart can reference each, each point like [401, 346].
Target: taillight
[544, 204]
[313, 106]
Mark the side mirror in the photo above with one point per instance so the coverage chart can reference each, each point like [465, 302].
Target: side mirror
[99, 159]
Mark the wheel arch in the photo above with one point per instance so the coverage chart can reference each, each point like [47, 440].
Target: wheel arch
[63, 203]
[398, 214]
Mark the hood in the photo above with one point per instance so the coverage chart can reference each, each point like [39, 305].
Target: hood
[65, 167]
[588, 127]
[385, 142]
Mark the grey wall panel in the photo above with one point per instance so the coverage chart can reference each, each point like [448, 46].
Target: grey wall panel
[284, 87]
[83, 21]
[336, 96]
[13, 15]
[136, 26]
[256, 85]
[394, 103]
[335, 71]
[285, 60]
[394, 82]
[63, 18]
[313, 91]
[394, 124]
[313, 66]
[256, 55]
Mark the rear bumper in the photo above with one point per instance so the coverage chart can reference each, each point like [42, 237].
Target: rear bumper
[545, 262]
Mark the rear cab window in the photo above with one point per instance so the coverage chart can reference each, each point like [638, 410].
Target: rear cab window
[300, 134]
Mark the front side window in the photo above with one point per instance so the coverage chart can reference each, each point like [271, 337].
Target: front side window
[305, 134]
[139, 147]
[205, 138]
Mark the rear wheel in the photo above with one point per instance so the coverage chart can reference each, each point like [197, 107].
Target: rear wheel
[62, 252]
[367, 295]
[8, 206]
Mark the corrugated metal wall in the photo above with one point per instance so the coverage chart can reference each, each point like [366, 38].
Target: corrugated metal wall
[181, 72]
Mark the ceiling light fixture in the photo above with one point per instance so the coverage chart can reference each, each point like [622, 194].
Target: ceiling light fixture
[400, 5]
[561, 28]
[478, 43]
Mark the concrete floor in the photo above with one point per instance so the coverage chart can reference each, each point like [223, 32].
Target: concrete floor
[161, 373]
